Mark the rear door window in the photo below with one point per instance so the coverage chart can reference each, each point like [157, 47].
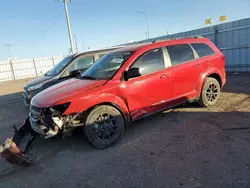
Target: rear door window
[202, 49]
[180, 53]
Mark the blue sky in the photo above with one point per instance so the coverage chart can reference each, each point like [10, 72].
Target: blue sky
[28, 25]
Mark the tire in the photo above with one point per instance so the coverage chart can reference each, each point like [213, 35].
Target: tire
[104, 126]
[210, 93]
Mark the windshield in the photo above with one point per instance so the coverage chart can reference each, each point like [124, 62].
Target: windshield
[59, 67]
[105, 67]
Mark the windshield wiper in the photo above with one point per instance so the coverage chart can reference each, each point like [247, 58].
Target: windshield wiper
[88, 77]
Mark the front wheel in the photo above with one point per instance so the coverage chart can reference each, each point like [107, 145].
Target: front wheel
[210, 92]
[104, 126]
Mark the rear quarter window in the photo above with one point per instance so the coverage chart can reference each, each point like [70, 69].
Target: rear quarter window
[202, 49]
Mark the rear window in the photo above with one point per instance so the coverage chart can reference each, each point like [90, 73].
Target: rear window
[180, 53]
[202, 49]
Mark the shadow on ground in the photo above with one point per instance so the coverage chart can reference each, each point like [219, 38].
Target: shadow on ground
[187, 146]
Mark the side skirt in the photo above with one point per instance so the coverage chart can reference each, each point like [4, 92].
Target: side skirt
[167, 108]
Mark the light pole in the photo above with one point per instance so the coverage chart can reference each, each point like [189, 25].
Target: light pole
[146, 17]
[8, 46]
[76, 43]
[68, 24]
[83, 46]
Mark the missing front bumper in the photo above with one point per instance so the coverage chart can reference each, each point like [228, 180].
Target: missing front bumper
[15, 148]
[11, 153]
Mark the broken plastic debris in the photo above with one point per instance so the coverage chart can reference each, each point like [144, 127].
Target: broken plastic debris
[10, 152]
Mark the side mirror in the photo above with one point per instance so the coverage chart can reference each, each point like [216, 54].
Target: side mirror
[132, 73]
[74, 73]
[46, 73]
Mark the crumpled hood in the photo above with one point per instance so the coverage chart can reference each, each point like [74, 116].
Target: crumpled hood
[38, 81]
[49, 97]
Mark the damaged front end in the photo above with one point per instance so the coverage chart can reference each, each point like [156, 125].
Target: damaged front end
[48, 122]
[51, 121]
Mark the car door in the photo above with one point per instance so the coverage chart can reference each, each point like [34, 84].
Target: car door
[80, 63]
[206, 55]
[186, 71]
[148, 92]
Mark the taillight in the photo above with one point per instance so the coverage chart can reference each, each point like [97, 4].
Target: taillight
[223, 57]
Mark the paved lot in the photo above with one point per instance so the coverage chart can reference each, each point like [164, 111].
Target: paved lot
[186, 147]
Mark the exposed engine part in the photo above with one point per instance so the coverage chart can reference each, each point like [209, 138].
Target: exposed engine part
[59, 122]
[52, 118]
[51, 121]
[70, 122]
[46, 118]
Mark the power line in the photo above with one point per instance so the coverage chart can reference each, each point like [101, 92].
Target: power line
[49, 28]
[45, 20]
[53, 22]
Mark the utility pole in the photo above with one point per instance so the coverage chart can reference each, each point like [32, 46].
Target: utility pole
[76, 43]
[146, 17]
[211, 21]
[8, 46]
[68, 24]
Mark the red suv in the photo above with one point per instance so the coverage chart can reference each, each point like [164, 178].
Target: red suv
[129, 84]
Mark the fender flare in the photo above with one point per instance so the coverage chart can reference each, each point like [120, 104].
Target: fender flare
[117, 102]
[203, 77]
[104, 98]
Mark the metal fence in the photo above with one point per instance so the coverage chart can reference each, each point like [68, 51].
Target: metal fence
[17, 69]
[232, 38]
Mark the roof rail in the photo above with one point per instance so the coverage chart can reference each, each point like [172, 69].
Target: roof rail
[197, 37]
[137, 44]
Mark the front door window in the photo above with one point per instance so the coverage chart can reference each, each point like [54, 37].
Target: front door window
[81, 63]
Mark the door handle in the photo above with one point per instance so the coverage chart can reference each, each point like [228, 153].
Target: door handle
[164, 76]
[197, 65]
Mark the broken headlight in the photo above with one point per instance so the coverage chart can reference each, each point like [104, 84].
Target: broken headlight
[59, 109]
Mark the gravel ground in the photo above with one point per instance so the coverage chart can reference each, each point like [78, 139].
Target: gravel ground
[185, 147]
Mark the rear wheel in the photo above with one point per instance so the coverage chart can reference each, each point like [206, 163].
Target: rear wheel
[104, 126]
[210, 92]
